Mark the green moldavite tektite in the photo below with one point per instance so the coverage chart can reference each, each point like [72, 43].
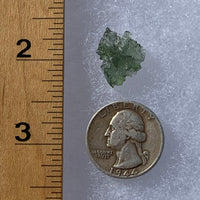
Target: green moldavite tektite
[121, 56]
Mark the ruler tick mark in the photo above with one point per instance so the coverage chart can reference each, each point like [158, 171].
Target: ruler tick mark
[37, 59]
[59, 22]
[55, 70]
[56, 138]
[53, 176]
[38, 144]
[45, 187]
[48, 18]
[59, 2]
[52, 123]
[56, 8]
[52, 80]
[56, 181]
[47, 101]
[51, 165]
[57, 106]
[56, 149]
[53, 28]
[58, 13]
[54, 112]
[55, 49]
[57, 74]
[58, 33]
[54, 91]
[57, 85]
[58, 44]
[58, 54]
[56, 192]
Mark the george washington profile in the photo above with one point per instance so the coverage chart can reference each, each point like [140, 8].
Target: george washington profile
[126, 134]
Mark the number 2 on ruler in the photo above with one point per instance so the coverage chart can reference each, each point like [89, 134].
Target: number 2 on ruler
[21, 53]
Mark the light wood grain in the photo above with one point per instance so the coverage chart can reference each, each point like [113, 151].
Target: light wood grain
[24, 88]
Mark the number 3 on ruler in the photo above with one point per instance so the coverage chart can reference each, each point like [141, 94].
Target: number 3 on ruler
[21, 53]
[26, 130]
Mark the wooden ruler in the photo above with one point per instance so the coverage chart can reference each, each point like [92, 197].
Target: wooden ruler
[31, 99]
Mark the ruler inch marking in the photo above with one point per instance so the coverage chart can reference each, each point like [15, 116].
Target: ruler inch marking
[43, 60]
[37, 144]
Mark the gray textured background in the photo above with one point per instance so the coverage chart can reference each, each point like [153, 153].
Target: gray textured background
[168, 84]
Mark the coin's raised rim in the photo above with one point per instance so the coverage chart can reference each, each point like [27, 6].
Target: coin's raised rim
[144, 171]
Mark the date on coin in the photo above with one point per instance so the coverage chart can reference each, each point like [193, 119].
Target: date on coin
[124, 139]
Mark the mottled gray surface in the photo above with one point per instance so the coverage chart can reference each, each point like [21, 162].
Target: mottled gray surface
[168, 84]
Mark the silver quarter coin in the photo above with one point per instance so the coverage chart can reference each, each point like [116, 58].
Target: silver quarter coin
[124, 139]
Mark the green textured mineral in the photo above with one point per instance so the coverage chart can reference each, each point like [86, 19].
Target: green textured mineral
[121, 56]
